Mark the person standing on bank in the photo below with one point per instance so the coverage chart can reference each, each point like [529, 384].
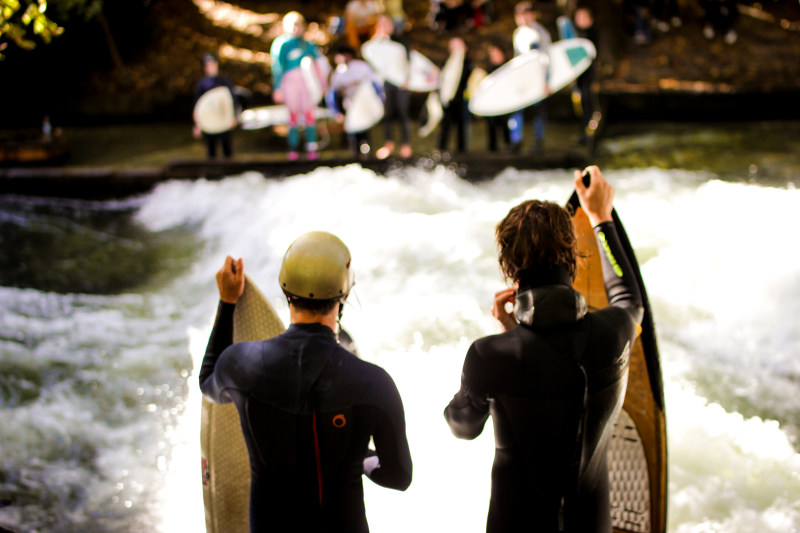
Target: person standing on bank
[587, 98]
[287, 53]
[456, 110]
[531, 35]
[308, 406]
[497, 126]
[211, 80]
[397, 97]
[554, 381]
[348, 75]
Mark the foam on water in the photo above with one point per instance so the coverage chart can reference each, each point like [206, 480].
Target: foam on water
[715, 256]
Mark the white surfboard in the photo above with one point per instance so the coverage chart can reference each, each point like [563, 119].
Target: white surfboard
[390, 61]
[523, 80]
[451, 76]
[569, 58]
[514, 86]
[273, 115]
[214, 111]
[313, 83]
[435, 114]
[365, 109]
[525, 38]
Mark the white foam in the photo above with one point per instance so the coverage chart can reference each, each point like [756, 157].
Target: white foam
[717, 257]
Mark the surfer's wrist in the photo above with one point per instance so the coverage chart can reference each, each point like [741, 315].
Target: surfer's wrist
[597, 220]
[597, 225]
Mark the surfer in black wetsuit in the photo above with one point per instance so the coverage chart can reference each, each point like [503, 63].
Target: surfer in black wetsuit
[555, 380]
[308, 407]
[212, 80]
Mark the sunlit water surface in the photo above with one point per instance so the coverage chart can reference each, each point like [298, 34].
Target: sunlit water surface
[100, 404]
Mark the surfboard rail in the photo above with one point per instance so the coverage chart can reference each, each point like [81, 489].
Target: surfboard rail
[224, 459]
[638, 452]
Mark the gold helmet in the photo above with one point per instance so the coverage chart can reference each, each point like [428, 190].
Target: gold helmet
[317, 267]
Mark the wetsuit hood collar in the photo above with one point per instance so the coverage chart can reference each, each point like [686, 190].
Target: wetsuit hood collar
[549, 305]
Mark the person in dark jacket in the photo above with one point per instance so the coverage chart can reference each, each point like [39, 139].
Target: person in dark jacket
[456, 110]
[554, 381]
[211, 80]
[586, 97]
[308, 406]
[497, 126]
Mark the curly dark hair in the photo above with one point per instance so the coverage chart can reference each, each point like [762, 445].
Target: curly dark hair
[536, 233]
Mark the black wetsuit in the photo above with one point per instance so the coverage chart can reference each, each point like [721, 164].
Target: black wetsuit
[298, 392]
[554, 387]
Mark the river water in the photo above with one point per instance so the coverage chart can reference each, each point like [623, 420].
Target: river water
[107, 307]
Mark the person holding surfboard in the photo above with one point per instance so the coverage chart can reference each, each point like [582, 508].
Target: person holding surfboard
[530, 35]
[586, 100]
[346, 81]
[555, 379]
[397, 98]
[211, 80]
[496, 126]
[308, 407]
[455, 111]
[291, 83]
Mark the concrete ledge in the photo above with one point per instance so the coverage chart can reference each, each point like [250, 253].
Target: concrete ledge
[107, 183]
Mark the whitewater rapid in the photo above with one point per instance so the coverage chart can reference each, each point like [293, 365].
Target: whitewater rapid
[111, 436]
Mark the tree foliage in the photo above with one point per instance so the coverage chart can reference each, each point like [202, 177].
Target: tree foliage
[20, 18]
[23, 20]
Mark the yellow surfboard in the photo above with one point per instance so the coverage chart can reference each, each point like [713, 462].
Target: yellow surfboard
[638, 451]
[226, 467]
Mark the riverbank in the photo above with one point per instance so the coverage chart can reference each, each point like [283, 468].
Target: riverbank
[120, 160]
[128, 129]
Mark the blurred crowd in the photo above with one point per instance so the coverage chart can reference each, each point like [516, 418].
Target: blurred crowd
[340, 70]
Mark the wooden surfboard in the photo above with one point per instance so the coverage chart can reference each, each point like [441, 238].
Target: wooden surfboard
[638, 452]
[226, 466]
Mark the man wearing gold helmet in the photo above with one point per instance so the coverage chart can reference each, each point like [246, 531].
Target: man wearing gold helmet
[307, 405]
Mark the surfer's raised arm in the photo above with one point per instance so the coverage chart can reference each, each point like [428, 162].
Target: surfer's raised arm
[307, 406]
[230, 284]
[557, 375]
[597, 201]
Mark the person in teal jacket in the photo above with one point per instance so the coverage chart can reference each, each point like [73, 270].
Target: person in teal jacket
[299, 83]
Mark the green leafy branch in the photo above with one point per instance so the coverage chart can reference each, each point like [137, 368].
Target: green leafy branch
[19, 18]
